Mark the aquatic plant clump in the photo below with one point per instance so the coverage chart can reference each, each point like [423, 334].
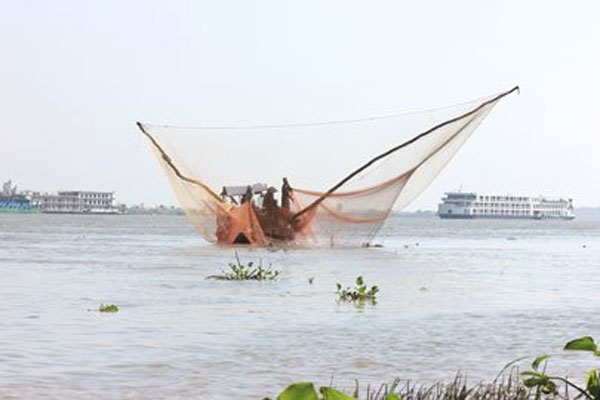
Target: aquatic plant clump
[248, 272]
[360, 293]
[108, 308]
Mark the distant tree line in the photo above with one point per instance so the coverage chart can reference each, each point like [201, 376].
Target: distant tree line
[142, 209]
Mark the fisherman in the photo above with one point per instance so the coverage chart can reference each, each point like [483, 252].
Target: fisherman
[286, 190]
[269, 201]
[248, 195]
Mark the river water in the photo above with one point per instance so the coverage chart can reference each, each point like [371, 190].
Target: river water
[454, 296]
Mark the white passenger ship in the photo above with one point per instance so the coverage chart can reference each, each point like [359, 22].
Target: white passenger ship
[473, 205]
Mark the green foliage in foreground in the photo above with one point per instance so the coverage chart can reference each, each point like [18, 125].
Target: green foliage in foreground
[508, 388]
[306, 391]
[534, 384]
[359, 294]
[108, 308]
[545, 384]
[249, 272]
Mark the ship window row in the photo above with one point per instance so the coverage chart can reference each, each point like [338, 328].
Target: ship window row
[518, 205]
[546, 205]
[73, 201]
[508, 205]
[502, 212]
[549, 203]
[514, 212]
[458, 203]
[503, 198]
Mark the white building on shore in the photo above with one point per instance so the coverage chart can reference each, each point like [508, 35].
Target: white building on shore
[473, 205]
[77, 202]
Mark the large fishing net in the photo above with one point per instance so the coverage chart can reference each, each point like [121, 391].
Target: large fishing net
[249, 184]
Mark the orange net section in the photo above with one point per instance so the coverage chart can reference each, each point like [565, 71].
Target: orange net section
[358, 198]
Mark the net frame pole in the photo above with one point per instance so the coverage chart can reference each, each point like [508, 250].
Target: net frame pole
[170, 163]
[400, 146]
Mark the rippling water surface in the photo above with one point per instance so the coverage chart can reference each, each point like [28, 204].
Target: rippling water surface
[455, 295]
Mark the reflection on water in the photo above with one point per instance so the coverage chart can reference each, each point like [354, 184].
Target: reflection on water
[455, 295]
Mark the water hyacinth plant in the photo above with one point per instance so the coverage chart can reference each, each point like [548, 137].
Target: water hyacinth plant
[108, 308]
[545, 384]
[249, 272]
[359, 294]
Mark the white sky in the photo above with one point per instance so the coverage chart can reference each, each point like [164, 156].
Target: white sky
[76, 75]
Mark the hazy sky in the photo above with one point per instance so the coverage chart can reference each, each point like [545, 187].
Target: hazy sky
[76, 75]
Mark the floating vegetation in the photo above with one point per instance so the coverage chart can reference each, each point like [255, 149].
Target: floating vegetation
[375, 245]
[249, 272]
[311, 279]
[359, 294]
[108, 308]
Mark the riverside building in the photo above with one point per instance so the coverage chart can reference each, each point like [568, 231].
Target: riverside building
[77, 202]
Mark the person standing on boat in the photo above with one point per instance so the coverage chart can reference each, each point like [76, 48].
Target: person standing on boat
[248, 195]
[286, 190]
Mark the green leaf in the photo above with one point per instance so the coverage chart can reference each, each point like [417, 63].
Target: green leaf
[592, 383]
[531, 382]
[539, 381]
[359, 281]
[299, 391]
[585, 343]
[549, 387]
[392, 396]
[332, 394]
[536, 363]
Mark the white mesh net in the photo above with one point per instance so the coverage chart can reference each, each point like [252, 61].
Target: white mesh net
[362, 170]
